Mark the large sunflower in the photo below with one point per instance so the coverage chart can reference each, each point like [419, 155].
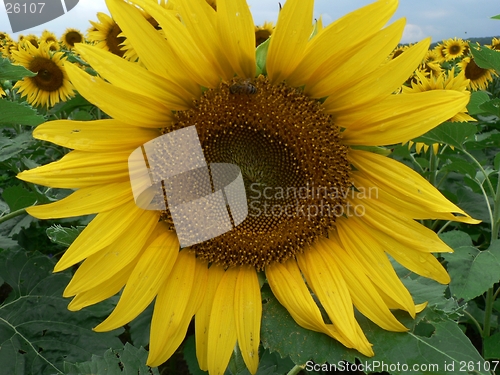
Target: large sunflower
[51, 84]
[479, 77]
[335, 210]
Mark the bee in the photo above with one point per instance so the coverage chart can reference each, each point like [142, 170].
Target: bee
[243, 87]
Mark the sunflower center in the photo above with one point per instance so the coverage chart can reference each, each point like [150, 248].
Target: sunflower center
[73, 37]
[50, 76]
[114, 42]
[293, 163]
[474, 72]
[454, 49]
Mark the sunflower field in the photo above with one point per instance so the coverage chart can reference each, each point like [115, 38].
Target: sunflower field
[185, 192]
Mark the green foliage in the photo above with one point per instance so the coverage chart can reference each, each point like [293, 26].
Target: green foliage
[37, 332]
[12, 113]
[9, 71]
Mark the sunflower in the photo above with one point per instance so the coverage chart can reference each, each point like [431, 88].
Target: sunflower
[454, 48]
[295, 136]
[70, 37]
[106, 34]
[495, 44]
[440, 54]
[262, 33]
[51, 84]
[479, 77]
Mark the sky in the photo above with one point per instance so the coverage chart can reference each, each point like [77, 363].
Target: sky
[439, 19]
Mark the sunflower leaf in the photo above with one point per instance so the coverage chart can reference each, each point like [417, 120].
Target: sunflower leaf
[491, 107]
[128, 360]
[18, 197]
[486, 58]
[62, 235]
[451, 133]
[261, 57]
[476, 99]
[11, 147]
[492, 346]
[12, 113]
[473, 271]
[434, 343]
[9, 71]
[37, 332]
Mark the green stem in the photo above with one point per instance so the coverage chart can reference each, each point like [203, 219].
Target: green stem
[296, 369]
[433, 164]
[476, 323]
[488, 310]
[492, 190]
[12, 215]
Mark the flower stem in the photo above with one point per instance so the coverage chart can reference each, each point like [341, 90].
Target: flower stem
[12, 215]
[296, 369]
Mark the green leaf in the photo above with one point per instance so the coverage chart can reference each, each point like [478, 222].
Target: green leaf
[472, 271]
[486, 58]
[18, 197]
[472, 203]
[492, 346]
[451, 133]
[140, 327]
[461, 167]
[128, 360]
[476, 99]
[491, 107]
[497, 161]
[11, 72]
[12, 147]
[432, 339]
[37, 332]
[496, 17]
[190, 357]
[261, 57]
[62, 235]
[456, 239]
[69, 106]
[12, 113]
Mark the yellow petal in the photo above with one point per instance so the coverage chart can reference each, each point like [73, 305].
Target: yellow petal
[362, 55]
[85, 201]
[408, 242]
[248, 314]
[102, 291]
[222, 327]
[110, 260]
[151, 47]
[372, 87]
[325, 279]
[237, 35]
[202, 320]
[94, 136]
[114, 68]
[289, 288]
[411, 208]
[104, 230]
[372, 258]
[403, 182]
[177, 302]
[80, 169]
[123, 105]
[202, 24]
[182, 45]
[289, 39]
[151, 271]
[420, 112]
[363, 293]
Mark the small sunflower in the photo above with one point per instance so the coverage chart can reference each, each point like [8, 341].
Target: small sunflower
[262, 33]
[71, 37]
[495, 44]
[454, 48]
[51, 84]
[440, 54]
[398, 51]
[31, 38]
[479, 77]
[106, 34]
[4, 37]
[297, 127]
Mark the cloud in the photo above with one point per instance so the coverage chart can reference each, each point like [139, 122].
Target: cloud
[413, 33]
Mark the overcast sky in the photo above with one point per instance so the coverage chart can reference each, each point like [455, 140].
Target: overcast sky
[440, 19]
